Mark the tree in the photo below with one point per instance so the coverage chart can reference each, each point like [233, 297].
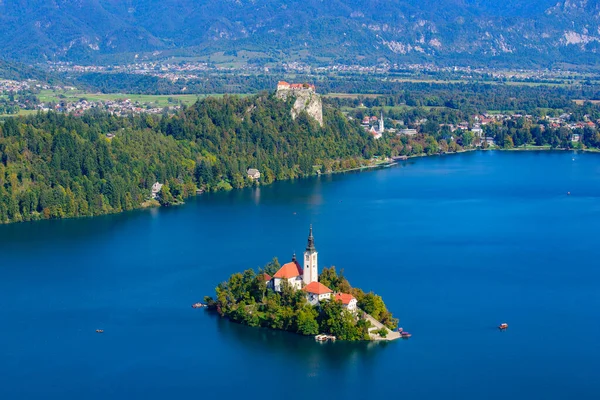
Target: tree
[307, 321]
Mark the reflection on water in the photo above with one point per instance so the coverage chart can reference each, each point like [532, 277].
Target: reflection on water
[300, 348]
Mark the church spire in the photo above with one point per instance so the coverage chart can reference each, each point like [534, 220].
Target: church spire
[311, 241]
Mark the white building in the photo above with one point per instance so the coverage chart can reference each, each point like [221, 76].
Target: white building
[408, 132]
[253, 173]
[156, 189]
[307, 278]
[348, 301]
[477, 130]
[374, 133]
[290, 272]
[311, 270]
[317, 292]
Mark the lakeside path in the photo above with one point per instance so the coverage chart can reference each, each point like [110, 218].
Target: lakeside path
[377, 326]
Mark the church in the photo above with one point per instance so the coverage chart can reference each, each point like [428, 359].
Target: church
[306, 278]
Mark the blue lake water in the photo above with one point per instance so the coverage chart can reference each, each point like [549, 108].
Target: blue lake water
[454, 244]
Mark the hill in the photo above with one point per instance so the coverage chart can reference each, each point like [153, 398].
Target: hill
[56, 165]
[511, 33]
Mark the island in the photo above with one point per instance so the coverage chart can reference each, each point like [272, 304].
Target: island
[298, 299]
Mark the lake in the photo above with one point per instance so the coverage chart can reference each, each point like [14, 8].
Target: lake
[455, 245]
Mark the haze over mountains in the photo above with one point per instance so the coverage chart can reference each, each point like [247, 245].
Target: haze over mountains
[462, 32]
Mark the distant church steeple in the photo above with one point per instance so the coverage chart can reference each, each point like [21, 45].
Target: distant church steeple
[311, 272]
[381, 127]
[311, 241]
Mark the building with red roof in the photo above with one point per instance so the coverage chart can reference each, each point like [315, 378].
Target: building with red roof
[317, 292]
[348, 301]
[290, 272]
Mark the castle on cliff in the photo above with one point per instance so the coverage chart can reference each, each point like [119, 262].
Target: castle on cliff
[306, 96]
[283, 86]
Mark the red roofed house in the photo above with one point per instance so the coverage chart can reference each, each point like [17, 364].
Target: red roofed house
[291, 272]
[374, 133]
[347, 300]
[316, 292]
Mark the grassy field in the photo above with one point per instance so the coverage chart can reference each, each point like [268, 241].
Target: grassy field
[351, 95]
[21, 112]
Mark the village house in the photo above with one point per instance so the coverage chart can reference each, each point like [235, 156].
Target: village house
[156, 189]
[253, 173]
[477, 130]
[407, 131]
[348, 301]
[317, 292]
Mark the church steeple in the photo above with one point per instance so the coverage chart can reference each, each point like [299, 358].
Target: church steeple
[311, 241]
[311, 270]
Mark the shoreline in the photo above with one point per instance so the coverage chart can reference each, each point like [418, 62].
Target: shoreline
[380, 164]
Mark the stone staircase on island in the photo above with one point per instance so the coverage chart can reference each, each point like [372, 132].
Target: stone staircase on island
[376, 325]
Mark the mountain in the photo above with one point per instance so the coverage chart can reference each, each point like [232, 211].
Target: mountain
[511, 32]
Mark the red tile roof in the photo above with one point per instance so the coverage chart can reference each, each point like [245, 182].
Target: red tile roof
[283, 83]
[289, 270]
[265, 277]
[345, 298]
[317, 288]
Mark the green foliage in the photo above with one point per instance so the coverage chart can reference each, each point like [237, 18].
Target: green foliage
[373, 304]
[333, 281]
[245, 298]
[382, 332]
[307, 321]
[56, 166]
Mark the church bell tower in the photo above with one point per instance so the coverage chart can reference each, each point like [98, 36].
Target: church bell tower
[311, 272]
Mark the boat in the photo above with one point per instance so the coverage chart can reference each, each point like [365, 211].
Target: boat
[405, 335]
[99, 330]
[198, 305]
[324, 338]
[503, 326]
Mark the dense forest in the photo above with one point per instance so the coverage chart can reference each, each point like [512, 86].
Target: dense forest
[245, 298]
[55, 165]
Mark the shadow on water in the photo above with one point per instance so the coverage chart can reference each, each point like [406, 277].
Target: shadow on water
[302, 348]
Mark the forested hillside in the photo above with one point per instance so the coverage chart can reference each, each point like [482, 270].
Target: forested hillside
[54, 166]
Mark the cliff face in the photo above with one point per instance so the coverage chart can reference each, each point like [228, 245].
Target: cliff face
[306, 100]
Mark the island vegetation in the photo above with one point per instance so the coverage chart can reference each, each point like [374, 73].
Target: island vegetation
[245, 298]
